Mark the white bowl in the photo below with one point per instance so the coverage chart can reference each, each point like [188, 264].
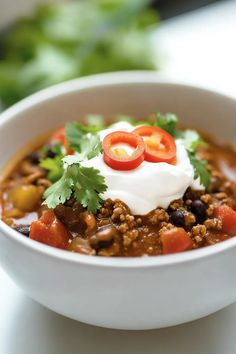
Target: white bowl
[131, 293]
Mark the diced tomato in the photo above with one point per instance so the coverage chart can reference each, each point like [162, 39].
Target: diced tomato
[60, 135]
[118, 158]
[228, 217]
[175, 240]
[159, 145]
[49, 230]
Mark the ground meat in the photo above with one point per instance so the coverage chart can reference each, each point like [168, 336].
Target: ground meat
[199, 230]
[157, 216]
[213, 224]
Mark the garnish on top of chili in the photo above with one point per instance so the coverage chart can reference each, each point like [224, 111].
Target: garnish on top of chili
[128, 189]
[159, 145]
[119, 158]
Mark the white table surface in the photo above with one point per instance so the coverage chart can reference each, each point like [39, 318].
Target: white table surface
[197, 48]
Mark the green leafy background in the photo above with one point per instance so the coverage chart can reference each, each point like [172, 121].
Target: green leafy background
[62, 42]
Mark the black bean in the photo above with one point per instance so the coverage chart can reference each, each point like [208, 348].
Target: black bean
[177, 217]
[23, 229]
[50, 153]
[33, 158]
[199, 209]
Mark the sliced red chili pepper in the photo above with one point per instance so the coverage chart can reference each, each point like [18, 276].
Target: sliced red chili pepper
[118, 158]
[60, 135]
[159, 145]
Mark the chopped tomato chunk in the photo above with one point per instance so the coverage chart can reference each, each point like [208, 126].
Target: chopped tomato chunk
[228, 217]
[60, 136]
[175, 240]
[49, 230]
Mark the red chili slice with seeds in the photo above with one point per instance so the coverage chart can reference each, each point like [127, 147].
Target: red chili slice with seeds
[159, 145]
[119, 158]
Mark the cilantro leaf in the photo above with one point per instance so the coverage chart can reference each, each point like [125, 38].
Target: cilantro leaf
[84, 183]
[70, 160]
[59, 192]
[88, 187]
[88, 145]
[167, 122]
[200, 170]
[192, 140]
[54, 164]
[74, 134]
[54, 167]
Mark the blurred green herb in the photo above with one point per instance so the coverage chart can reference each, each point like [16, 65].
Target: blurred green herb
[54, 167]
[54, 164]
[168, 122]
[65, 41]
[85, 143]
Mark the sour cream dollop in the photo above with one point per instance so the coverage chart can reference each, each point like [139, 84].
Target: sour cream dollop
[150, 185]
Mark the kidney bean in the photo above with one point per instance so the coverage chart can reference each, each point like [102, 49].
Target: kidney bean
[103, 237]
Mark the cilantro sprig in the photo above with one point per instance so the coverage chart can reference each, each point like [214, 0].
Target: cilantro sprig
[83, 141]
[80, 139]
[191, 140]
[85, 184]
